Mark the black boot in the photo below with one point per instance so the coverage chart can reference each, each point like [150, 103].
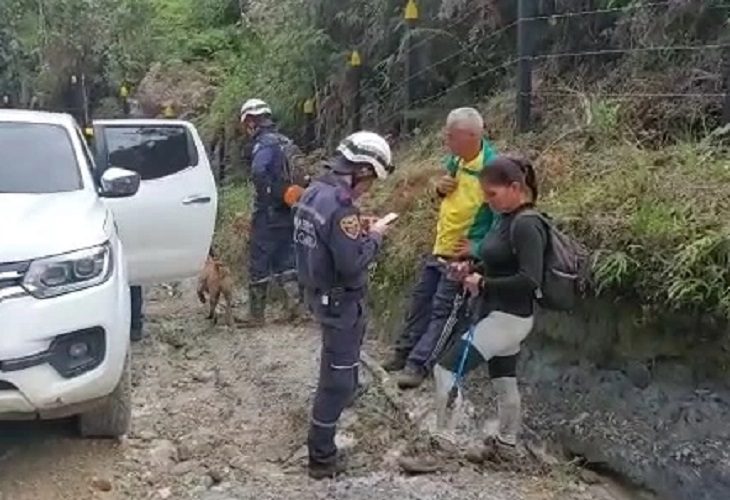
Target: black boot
[136, 332]
[411, 377]
[319, 471]
[256, 306]
[396, 362]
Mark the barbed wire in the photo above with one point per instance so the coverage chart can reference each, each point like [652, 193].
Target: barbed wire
[629, 50]
[428, 68]
[447, 27]
[560, 55]
[632, 95]
[628, 8]
[463, 83]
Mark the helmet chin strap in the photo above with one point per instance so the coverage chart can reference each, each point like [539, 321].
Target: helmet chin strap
[349, 178]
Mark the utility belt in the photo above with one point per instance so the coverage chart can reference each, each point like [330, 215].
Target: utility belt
[333, 297]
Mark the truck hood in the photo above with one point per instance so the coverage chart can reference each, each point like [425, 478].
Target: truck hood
[41, 225]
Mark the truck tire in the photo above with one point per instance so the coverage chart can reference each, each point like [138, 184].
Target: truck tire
[112, 418]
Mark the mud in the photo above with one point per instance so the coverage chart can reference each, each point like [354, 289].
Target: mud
[645, 402]
[221, 414]
[644, 425]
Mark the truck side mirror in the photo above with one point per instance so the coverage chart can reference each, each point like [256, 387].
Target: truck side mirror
[119, 183]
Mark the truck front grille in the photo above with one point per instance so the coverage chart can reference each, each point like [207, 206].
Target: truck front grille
[12, 274]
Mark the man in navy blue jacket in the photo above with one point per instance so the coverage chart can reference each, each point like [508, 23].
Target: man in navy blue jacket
[271, 245]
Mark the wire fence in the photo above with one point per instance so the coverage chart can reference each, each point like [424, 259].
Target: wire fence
[538, 70]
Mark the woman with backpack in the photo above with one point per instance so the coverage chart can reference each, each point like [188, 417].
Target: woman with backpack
[503, 291]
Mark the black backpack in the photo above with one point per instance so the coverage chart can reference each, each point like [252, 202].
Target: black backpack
[566, 267]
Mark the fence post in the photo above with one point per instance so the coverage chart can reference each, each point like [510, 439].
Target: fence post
[77, 102]
[726, 75]
[309, 116]
[411, 16]
[84, 101]
[524, 76]
[356, 68]
[124, 96]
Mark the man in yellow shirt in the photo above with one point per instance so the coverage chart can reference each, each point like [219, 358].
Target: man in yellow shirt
[463, 221]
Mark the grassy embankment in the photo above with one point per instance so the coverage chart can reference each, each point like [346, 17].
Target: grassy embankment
[658, 219]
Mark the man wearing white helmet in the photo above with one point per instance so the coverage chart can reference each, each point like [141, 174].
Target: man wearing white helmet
[333, 253]
[271, 252]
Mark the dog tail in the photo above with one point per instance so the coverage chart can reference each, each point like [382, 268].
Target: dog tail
[201, 296]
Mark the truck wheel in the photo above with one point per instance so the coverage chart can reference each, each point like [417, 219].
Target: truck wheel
[113, 417]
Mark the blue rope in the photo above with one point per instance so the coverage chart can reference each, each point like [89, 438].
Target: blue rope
[460, 372]
[464, 355]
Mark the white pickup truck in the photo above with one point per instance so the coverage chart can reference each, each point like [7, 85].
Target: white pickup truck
[73, 238]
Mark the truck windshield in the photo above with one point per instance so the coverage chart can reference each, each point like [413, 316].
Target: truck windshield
[37, 158]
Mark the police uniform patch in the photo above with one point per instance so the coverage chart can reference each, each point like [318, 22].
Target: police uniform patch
[350, 225]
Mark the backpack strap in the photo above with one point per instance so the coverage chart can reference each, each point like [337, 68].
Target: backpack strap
[524, 213]
[549, 227]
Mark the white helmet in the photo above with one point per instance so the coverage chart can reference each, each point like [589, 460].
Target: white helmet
[254, 107]
[370, 148]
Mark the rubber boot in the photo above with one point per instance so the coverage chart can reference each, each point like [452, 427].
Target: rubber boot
[305, 312]
[319, 471]
[502, 448]
[256, 306]
[509, 409]
[447, 411]
[292, 300]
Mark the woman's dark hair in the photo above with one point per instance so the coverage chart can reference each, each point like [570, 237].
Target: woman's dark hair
[506, 170]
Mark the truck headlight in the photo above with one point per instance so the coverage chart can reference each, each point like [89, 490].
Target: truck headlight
[69, 272]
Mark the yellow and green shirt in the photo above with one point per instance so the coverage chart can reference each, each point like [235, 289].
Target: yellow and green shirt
[463, 213]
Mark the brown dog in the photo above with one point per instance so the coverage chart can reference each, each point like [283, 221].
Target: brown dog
[216, 280]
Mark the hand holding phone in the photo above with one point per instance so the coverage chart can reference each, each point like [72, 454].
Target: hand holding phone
[382, 224]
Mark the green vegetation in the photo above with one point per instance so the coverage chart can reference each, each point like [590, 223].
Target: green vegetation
[637, 175]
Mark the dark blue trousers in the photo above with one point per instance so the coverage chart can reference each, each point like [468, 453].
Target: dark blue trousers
[271, 252]
[432, 301]
[343, 329]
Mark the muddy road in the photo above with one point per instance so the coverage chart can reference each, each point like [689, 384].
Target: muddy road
[222, 413]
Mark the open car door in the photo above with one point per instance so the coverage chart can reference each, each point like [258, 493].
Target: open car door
[167, 227]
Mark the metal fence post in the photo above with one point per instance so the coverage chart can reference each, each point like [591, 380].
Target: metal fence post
[356, 68]
[309, 116]
[411, 16]
[726, 75]
[124, 96]
[524, 76]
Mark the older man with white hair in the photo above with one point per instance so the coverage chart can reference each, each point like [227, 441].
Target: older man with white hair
[463, 221]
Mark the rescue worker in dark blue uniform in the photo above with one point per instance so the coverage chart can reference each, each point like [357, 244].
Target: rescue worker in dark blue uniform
[271, 249]
[333, 253]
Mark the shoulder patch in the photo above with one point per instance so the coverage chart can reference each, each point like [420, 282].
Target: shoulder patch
[350, 225]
